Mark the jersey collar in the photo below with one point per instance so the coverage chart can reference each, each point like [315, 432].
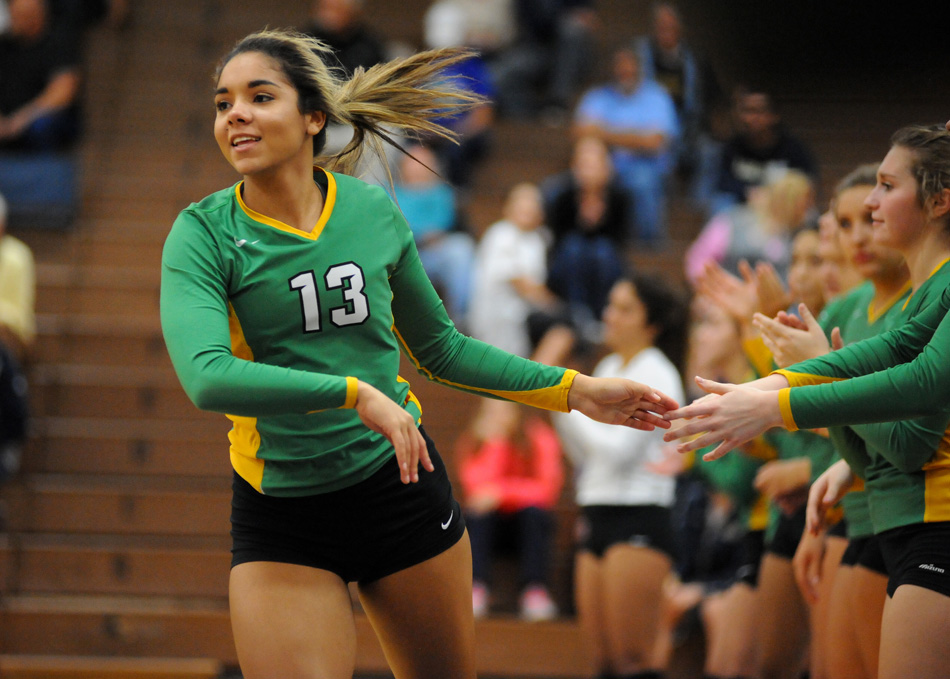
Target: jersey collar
[328, 204]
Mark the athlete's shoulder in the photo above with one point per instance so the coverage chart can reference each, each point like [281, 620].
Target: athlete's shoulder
[213, 202]
[209, 209]
[202, 221]
[931, 289]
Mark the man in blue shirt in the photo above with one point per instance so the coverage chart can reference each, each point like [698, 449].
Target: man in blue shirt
[637, 119]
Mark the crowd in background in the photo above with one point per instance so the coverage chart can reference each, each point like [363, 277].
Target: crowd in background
[552, 279]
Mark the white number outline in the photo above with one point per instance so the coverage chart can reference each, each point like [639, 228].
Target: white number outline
[347, 277]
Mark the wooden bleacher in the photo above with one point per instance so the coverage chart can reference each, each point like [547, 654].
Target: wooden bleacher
[115, 562]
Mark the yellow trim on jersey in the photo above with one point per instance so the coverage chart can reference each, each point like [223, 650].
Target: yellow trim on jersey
[547, 398]
[785, 406]
[804, 379]
[758, 355]
[834, 515]
[277, 224]
[937, 483]
[244, 437]
[875, 314]
[759, 514]
[760, 449]
[245, 442]
[936, 269]
[351, 384]
[411, 398]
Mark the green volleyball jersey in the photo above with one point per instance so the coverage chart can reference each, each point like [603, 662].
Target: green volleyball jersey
[902, 373]
[908, 473]
[274, 326]
[858, 319]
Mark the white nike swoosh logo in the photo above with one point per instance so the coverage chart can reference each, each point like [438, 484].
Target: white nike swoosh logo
[446, 524]
[241, 242]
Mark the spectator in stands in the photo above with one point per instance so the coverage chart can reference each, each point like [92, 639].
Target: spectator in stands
[511, 473]
[545, 67]
[81, 15]
[757, 230]
[17, 292]
[586, 210]
[760, 150]
[666, 56]
[39, 81]
[626, 545]
[429, 205]
[474, 127]
[637, 119]
[17, 331]
[510, 273]
[341, 25]
[486, 25]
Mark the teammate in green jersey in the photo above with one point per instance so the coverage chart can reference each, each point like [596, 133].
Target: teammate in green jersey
[851, 594]
[286, 300]
[905, 472]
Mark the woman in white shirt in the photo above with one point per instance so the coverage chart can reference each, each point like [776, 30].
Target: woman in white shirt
[509, 273]
[625, 538]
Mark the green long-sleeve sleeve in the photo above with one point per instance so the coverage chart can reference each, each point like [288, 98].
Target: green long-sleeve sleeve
[903, 373]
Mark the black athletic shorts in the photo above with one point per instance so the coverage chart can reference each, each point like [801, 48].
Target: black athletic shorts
[865, 552]
[753, 545]
[788, 533]
[918, 554]
[603, 526]
[362, 533]
[839, 530]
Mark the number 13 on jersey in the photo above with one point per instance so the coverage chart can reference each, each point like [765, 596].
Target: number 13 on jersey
[347, 277]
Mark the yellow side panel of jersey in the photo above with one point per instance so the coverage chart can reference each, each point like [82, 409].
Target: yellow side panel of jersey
[937, 484]
[244, 437]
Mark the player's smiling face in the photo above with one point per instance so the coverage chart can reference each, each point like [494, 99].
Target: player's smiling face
[258, 123]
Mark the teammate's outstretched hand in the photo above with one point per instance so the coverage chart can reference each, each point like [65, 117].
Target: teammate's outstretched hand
[615, 400]
[381, 414]
[738, 415]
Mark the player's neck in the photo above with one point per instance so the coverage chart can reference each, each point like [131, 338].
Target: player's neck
[291, 198]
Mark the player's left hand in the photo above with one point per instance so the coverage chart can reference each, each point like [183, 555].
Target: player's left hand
[615, 400]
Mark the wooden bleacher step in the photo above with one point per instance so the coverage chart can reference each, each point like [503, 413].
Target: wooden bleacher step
[121, 505]
[89, 390]
[143, 447]
[121, 626]
[85, 667]
[164, 627]
[171, 566]
[98, 338]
